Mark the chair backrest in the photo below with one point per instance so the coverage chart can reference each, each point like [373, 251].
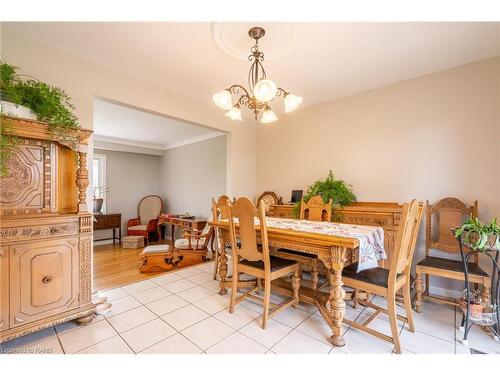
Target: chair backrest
[316, 209]
[220, 207]
[150, 208]
[441, 217]
[268, 199]
[406, 238]
[243, 213]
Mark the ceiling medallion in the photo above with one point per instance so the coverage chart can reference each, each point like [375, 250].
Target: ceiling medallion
[261, 90]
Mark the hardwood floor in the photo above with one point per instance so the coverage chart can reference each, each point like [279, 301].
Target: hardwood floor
[114, 266]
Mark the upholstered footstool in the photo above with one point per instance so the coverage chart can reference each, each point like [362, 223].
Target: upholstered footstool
[159, 257]
[132, 242]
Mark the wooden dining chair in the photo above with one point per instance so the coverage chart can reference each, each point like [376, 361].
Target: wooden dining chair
[385, 282]
[253, 259]
[315, 210]
[441, 217]
[220, 211]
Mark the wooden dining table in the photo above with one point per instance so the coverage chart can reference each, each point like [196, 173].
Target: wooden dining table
[334, 251]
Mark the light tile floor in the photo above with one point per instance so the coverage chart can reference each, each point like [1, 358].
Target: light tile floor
[181, 312]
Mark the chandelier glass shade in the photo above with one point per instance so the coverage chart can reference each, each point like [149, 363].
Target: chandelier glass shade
[261, 89]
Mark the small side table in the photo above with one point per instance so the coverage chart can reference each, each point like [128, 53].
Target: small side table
[194, 223]
[106, 221]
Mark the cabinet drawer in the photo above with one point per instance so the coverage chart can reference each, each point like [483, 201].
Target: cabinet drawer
[100, 222]
[113, 221]
[43, 280]
[4, 288]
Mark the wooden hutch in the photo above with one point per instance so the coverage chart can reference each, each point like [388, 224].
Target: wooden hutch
[45, 231]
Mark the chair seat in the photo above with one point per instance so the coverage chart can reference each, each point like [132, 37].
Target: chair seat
[142, 228]
[451, 265]
[183, 243]
[298, 253]
[155, 249]
[376, 276]
[277, 263]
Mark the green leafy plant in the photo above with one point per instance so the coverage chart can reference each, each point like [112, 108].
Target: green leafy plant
[479, 236]
[50, 103]
[330, 188]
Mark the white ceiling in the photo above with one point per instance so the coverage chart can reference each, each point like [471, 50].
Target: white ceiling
[143, 129]
[319, 61]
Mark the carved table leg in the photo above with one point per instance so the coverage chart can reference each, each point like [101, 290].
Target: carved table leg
[418, 297]
[223, 264]
[337, 305]
[314, 276]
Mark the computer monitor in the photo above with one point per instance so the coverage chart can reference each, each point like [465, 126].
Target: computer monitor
[297, 195]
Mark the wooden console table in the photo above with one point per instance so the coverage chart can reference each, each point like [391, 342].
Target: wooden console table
[109, 221]
[194, 223]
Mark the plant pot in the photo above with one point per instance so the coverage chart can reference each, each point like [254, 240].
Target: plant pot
[15, 110]
[98, 204]
[490, 243]
[475, 311]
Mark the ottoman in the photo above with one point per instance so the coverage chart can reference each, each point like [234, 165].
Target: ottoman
[132, 242]
[158, 258]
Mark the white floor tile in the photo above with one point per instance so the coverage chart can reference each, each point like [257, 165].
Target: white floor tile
[212, 285]
[316, 327]
[291, 317]
[297, 342]
[443, 328]
[187, 272]
[239, 318]
[28, 340]
[478, 340]
[212, 304]
[380, 323]
[113, 294]
[114, 345]
[268, 337]
[208, 332]
[148, 334]
[122, 305]
[361, 342]
[185, 317]
[195, 294]
[165, 305]
[421, 343]
[132, 318]
[150, 295]
[72, 325]
[237, 344]
[87, 336]
[201, 278]
[49, 346]
[179, 285]
[165, 279]
[176, 344]
[139, 286]
[207, 267]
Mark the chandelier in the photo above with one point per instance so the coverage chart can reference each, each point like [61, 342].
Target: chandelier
[261, 90]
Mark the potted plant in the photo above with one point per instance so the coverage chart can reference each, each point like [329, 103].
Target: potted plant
[98, 193]
[26, 97]
[478, 236]
[330, 188]
[476, 303]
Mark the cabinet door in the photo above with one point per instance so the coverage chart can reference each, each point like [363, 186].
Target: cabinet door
[4, 288]
[100, 222]
[43, 279]
[113, 221]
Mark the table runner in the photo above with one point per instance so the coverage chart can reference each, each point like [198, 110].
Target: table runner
[371, 239]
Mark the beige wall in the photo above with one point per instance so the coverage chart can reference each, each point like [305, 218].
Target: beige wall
[130, 177]
[425, 138]
[83, 80]
[191, 175]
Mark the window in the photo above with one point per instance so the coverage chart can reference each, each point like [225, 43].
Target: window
[99, 177]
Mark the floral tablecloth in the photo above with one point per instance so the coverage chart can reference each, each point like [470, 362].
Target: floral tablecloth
[371, 239]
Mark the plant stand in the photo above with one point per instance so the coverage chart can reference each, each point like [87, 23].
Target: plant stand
[485, 319]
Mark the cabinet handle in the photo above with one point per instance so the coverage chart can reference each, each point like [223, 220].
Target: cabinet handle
[18, 320]
[47, 279]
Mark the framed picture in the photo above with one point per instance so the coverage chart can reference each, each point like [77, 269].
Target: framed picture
[297, 195]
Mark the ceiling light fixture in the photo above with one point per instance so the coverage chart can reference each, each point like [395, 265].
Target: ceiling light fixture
[262, 90]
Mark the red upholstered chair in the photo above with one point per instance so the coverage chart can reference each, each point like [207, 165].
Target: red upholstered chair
[150, 208]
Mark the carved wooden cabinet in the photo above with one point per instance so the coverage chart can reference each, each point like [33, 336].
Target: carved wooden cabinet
[45, 230]
[381, 214]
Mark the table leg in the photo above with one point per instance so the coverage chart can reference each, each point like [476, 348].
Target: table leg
[120, 236]
[173, 233]
[337, 295]
[222, 264]
[114, 235]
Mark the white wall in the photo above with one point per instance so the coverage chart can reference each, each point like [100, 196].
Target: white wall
[83, 80]
[425, 138]
[191, 175]
[130, 177]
